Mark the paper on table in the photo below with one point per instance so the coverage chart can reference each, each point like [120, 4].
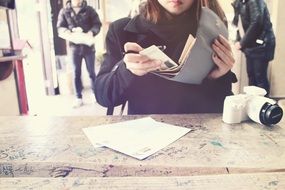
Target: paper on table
[138, 138]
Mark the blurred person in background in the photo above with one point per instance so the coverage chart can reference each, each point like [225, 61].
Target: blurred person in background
[255, 38]
[77, 16]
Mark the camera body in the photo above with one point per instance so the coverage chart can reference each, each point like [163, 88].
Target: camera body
[251, 105]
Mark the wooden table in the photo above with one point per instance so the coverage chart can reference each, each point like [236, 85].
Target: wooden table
[214, 155]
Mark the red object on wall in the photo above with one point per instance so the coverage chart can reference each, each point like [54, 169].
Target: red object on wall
[18, 46]
[21, 87]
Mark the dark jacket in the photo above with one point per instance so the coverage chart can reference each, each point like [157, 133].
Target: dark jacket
[256, 23]
[87, 19]
[150, 94]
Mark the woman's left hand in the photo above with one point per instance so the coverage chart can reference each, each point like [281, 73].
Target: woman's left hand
[222, 57]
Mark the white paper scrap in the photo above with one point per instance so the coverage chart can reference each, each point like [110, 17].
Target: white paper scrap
[138, 138]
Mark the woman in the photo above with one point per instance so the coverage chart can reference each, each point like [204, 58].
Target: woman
[127, 77]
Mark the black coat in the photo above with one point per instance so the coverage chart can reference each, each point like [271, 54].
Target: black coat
[256, 23]
[150, 94]
[87, 18]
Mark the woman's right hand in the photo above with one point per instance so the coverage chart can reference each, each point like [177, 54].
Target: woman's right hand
[139, 64]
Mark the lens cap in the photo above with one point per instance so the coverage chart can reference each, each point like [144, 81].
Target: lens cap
[270, 114]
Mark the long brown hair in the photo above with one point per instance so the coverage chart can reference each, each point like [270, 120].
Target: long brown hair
[153, 11]
[215, 6]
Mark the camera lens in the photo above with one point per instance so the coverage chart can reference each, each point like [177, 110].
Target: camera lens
[270, 114]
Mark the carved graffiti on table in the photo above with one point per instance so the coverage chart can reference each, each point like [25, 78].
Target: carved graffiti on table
[6, 170]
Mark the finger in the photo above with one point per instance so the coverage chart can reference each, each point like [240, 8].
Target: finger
[134, 57]
[227, 59]
[226, 51]
[131, 46]
[146, 66]
[225, 42]
[149, 65]
[220, 46]
[213, 74]
[237, 46]
[144, 71]
[220, 53]
[216, 72]
[220, 64]
[217, 61]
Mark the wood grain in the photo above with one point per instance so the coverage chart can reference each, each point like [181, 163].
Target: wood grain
[260, 181]
[57, 146]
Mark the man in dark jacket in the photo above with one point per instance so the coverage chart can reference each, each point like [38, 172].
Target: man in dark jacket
[258, 41]
[79, 18]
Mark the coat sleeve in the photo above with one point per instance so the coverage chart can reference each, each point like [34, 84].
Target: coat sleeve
[61, 21]
[96, 23]
[218, 88]
[236, 7]
[255, 21]
[113, 78]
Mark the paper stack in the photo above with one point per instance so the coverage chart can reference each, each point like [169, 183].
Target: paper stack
[195, 61]
[138, 138]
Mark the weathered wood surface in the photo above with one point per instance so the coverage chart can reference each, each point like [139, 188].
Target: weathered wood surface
[263, 181]
[57, 146]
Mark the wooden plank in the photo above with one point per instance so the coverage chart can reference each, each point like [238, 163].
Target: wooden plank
[56, 146]
[262, 181]
[11, 58]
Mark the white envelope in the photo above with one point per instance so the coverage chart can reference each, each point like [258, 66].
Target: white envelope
[199, 62]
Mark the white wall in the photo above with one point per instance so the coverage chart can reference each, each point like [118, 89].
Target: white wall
[277, 69]
[8, 93]
[8, 97]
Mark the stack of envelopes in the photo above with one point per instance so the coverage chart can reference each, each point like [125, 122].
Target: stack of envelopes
[195, 61]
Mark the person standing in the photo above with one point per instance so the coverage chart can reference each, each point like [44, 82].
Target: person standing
[128, 76]
[257, 41]
[78, 17]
